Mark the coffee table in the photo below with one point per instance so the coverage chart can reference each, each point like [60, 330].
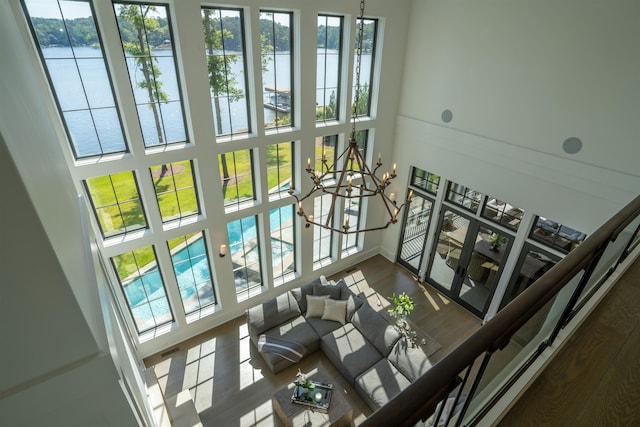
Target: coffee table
[339, 413]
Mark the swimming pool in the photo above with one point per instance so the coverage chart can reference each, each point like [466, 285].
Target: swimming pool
[235, 228]
[151, 308]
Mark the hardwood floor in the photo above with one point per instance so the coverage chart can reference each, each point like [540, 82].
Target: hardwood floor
[231, 386]
[595, 379]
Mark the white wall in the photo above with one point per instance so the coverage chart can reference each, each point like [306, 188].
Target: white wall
[56, 367]
[520, 77]
[53, 371]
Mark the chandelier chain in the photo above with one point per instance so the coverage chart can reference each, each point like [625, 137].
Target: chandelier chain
[349, 179]
[356, 102]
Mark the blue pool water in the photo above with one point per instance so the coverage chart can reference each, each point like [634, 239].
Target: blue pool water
[247, 226]
[152, 304]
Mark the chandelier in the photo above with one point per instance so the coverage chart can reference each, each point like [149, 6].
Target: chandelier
[350, 177]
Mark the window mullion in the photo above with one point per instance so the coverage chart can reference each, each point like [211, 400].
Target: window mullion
[120, 80]
[171, 284]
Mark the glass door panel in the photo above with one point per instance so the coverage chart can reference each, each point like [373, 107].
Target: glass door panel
[532, 264]
[416, 224]
[446, 259]
[489, 250]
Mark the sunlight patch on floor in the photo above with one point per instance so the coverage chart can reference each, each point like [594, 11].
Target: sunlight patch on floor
[444, 300]
[356, 282]
[197, 351]
[260, 416]
[432, 301]
[202, 395]
[248, 375]
[243, 331]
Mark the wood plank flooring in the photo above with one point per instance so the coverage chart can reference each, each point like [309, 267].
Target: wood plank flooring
[595, 379]
[231, 386]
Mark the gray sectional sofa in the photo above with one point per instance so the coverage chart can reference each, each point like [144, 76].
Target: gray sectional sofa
[365, 348]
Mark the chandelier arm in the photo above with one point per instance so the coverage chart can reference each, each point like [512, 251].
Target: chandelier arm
[339, 183]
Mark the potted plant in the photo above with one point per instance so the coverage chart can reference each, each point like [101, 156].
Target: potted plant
[402, 306]
[303, 383]
[496, 240]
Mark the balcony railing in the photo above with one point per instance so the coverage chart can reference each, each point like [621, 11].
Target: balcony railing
[467, 383]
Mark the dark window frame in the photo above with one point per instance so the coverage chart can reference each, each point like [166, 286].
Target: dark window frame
[243, 32]
[167, 7]
[55, 94]
[340, 78]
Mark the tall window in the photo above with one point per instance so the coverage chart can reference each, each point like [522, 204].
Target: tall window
[329, 47]
[71, 51]
[366, 66]
[463, 196]
[245, 256]
[556, 235]
[362, 142]
[351, 218]
[502, 213]
[326, 154]
[283, 253]
[145, 31]
[226, 64]
[425, 180]
[143, 288]
[175, 190]
[276, 33]
[236, 176]
[279, 167]
[322, 237]
[116, 203]
[192, 270]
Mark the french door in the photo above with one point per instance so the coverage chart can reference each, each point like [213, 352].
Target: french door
[414, 233]
[467, 259]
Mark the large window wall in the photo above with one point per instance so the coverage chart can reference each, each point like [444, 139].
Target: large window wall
[485, 250]
[189, 199]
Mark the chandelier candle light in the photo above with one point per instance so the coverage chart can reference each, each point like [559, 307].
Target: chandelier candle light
[350, 177]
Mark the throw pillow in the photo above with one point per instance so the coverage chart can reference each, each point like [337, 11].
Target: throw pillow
[335, 310]
[353, 304]
[345, 292]
[300, 294]
[315, 305]
[331, 290]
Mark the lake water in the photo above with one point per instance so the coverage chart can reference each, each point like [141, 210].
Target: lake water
[83, 83]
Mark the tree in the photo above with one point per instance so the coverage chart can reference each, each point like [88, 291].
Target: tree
[138, 17]
[221, 80]
[362, 99]
[324, 112]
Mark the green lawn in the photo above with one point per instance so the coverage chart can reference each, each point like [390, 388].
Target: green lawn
[119, 208]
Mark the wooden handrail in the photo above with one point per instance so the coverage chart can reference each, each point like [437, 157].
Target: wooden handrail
[421, 397]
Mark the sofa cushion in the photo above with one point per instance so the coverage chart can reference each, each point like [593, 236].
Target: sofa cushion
[409, 360]
[297, 330]
[353, 304]
[345, 292]
[335, 310]
[300, 294]
[315, 305]
[380, 383]
[332, 290]
[272, 313]
[375, 328]
[323, 327]
[349, 351]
